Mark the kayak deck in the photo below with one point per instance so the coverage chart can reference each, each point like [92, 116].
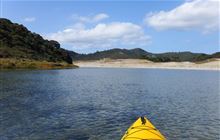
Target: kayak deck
[142, 129]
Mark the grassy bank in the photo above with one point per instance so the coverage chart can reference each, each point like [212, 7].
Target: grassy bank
[12, 63]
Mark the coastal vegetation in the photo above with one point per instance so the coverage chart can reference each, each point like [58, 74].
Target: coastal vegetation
[11, 63]
[21, 48]
[138, 53]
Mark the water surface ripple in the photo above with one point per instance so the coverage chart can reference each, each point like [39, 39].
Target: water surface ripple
[100, 104]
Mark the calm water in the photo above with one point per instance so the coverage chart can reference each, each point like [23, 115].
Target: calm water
[100, 104]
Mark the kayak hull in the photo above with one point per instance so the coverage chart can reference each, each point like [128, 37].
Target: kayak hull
[142, 129]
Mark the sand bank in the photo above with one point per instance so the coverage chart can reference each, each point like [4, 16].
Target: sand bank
[213, 64]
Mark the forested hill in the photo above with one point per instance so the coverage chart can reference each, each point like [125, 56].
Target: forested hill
[17, 42]
[113, 54]
[138, 53]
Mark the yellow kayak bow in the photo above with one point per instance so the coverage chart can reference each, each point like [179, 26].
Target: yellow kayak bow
[142, 129]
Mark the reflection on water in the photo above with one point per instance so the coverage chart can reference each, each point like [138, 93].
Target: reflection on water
[100, 104]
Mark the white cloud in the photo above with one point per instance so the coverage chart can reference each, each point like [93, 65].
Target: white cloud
[29, 19]
[90, 19]
[102, 35]
[197, 14]
[100, 17]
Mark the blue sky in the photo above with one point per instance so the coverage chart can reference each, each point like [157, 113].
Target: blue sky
[156, 26]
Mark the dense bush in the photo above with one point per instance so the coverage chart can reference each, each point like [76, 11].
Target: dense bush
[18, 42]
[142, 54]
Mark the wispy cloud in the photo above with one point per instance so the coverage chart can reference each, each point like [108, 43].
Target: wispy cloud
[29, 19]
[198, 14]
[90, 19]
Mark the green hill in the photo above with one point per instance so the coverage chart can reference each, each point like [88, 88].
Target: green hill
[18, 43]
[113, 54]
[138, 53]
[179, 57]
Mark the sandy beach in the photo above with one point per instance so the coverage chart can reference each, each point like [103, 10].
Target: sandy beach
[213, 64]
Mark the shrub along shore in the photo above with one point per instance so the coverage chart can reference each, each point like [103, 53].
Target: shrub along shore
[12, 63]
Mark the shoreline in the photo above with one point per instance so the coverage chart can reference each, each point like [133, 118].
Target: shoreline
[165, 68]
[15, 64]
[213, 64]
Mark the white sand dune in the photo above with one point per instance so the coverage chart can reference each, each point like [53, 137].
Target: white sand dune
[213, 64]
